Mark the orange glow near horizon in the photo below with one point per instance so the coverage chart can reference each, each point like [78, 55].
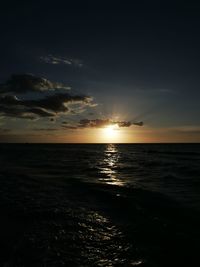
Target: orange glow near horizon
[108, 134]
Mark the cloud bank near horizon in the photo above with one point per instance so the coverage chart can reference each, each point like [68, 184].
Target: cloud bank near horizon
[99, 123]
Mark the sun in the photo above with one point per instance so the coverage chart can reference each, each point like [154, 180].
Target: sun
[110, 131]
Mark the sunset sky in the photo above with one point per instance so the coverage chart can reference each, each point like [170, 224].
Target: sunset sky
[95, 72]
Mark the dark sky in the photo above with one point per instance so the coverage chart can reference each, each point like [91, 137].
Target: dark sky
[141, 60]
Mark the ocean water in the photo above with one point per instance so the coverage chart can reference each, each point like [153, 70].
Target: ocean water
[99, 204]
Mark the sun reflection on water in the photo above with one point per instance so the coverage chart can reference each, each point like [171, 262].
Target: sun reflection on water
[109, 166]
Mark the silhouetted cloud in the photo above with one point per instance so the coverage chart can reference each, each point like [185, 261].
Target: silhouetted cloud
[99, 123]
[40, 112]
[24, 83]
[50, 59]
[124, 123]
[140, 123]
[45, 106]
[16, 112]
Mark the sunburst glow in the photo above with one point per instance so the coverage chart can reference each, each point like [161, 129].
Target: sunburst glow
[111, 131]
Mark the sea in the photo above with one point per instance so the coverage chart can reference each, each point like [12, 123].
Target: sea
[99, 205]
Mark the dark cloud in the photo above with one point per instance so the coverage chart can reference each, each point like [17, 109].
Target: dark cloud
[124, 123]
[140, 123]
[16, 112]
[99, 123]
[40, 112]
[29, 108]
[23, 83]
[57, 102]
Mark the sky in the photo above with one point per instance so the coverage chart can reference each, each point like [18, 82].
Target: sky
[95, 71]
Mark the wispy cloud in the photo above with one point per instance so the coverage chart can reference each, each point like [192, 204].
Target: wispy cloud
[54, 60]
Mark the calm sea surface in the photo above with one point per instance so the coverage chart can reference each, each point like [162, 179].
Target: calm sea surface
[99, 205]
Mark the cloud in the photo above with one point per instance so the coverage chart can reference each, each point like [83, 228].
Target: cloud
[44, 129]
[99, 123]
[50, 59]
[16, 112]
[140, 123]
[24, 83]
[45, 106]
[124, 123]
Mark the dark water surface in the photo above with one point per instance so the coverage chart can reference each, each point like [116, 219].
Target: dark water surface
[99, 205]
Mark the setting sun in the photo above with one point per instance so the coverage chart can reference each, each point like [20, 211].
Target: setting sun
[110, 130]
[110, 133]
